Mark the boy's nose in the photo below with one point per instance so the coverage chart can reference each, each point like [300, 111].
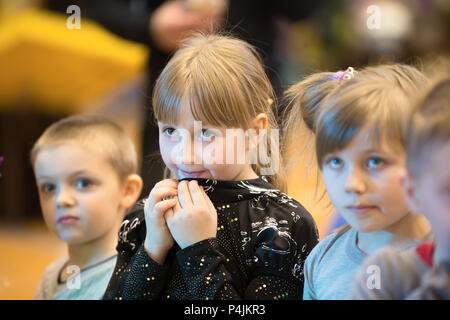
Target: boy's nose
[64, 198]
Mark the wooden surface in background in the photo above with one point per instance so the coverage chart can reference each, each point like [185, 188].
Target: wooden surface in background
[27, 249]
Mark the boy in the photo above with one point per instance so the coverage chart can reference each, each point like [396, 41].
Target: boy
[422, 273]
[85, 168]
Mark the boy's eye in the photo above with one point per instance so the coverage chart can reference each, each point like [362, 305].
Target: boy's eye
[83, 183]
[375, 162]
[48, 187]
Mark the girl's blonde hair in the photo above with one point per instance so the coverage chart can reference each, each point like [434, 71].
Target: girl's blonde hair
[97, 132]
[304, 98]
[224, 81]
[376, 97]
[302, 101]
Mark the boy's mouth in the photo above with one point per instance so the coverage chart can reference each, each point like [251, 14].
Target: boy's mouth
[67, 220]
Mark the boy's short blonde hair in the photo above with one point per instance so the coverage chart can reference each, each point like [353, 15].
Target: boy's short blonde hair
[428, 125]
[96, 132]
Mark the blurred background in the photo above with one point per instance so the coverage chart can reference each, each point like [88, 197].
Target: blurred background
[57, 60]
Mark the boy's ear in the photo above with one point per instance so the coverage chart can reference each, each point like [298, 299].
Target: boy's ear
[410, 192]
[132, 190]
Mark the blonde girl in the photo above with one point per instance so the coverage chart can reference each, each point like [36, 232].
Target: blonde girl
[359, 142]
[221, 226]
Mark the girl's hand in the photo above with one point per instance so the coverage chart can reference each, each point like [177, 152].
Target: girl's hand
[158, 240]
[194, 217]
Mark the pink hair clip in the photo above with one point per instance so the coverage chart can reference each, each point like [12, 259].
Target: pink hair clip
[344, 75]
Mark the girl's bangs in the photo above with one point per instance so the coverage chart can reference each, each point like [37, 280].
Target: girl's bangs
[335, 131]
[339, 127]
[207, 104]
[167, 99]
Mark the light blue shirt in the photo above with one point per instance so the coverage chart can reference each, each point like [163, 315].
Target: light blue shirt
[331, 267]
[88, 284]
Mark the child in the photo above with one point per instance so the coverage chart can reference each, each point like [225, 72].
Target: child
[360, 151]
[85, 168]
[227, 233]
[423, 273]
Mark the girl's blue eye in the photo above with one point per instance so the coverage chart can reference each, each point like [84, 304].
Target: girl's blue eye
[375, 162]
[207, 134]
[83, 183]
[48, 187]
[171, 132]
[335, 163]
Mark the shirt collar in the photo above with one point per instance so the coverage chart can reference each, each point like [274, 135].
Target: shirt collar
[221, 191]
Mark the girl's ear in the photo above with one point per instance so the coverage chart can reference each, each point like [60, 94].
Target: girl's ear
[259, 125]
[410, 192]
[132, 190]
[260, 122]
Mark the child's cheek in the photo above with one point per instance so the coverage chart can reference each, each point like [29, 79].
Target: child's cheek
[48, 213]
[209, 155]
[213, 153]
[390, 193]
[168, 154]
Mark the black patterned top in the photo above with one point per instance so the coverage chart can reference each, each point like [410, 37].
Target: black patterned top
[263, 239]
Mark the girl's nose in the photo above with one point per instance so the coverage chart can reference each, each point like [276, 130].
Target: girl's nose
[190, 152]
[355, 182]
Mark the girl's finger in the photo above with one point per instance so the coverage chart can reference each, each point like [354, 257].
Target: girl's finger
[196, 194]
[156, 195]
[162, 207]
[207, 200]
[167, 183]
[184, 196]
[177, 207]
[168, 214]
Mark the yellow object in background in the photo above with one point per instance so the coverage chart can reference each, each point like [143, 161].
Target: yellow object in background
[44, 62]
[47, 66]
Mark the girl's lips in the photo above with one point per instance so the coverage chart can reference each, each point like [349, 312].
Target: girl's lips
[193, 174]
[66, 220]
[361, 209]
